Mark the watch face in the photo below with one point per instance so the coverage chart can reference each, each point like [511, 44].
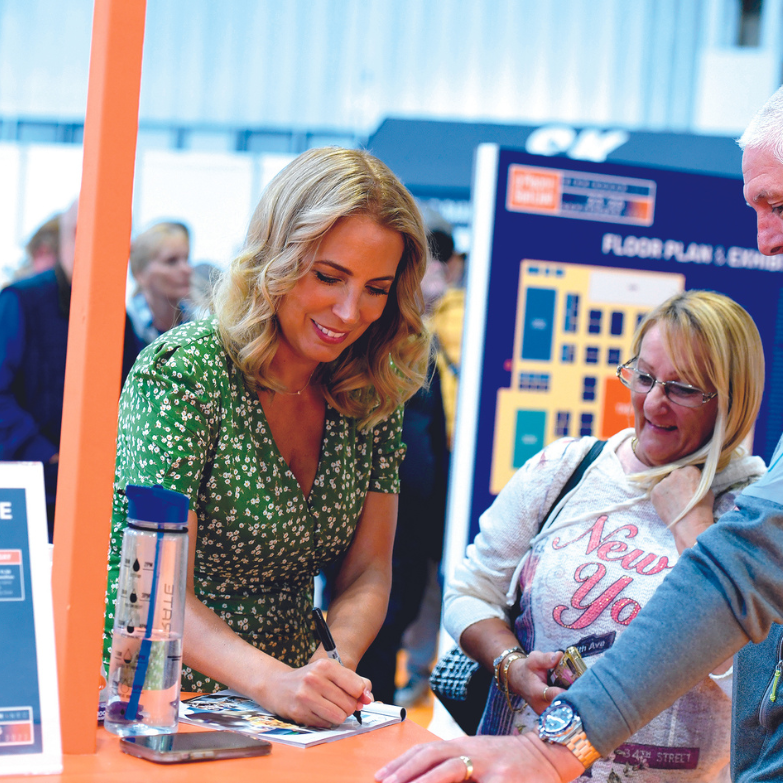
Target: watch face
[557, 719]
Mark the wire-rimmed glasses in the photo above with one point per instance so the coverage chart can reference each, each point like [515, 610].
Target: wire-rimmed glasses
[679, 393]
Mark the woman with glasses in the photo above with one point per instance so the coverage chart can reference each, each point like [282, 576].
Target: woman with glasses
[696, 380]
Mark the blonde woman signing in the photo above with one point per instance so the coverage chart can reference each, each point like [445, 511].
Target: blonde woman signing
[280, 419]
[696, 380]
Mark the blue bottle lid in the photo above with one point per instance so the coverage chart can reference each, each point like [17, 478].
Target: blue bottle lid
[157, 507]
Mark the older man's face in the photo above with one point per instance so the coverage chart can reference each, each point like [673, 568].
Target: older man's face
[763, 175]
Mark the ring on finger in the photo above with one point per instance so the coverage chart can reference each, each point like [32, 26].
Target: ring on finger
[545, 692]
[468, 767]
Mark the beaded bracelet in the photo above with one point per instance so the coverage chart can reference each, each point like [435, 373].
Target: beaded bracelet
[506, 666]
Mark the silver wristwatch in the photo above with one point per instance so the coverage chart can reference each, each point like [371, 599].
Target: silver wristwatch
[560, 723]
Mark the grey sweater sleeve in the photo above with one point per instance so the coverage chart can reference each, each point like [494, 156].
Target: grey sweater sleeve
[723, 591]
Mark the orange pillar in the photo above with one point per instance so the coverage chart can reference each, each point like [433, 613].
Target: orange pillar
[92, 376]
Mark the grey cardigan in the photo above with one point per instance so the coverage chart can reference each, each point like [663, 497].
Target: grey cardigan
[724, 591]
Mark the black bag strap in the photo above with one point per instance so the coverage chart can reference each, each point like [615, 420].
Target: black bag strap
[478, 680]
[575, 478]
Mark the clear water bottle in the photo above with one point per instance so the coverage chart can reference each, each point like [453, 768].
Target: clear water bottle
[149, 615]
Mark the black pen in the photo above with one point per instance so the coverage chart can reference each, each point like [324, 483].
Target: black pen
[325, 637]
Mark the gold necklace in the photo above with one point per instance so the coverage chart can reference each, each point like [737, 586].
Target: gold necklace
[297, 393]
[634, 441]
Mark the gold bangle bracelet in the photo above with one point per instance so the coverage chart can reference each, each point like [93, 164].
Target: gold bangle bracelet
[499, 660]
[506, 666]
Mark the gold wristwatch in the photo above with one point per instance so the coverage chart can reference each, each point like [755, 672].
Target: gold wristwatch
[559, 723]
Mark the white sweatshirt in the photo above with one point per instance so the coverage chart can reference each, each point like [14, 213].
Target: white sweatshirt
[586, 577]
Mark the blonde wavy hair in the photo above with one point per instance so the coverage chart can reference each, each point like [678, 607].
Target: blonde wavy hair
[712, 342]
[387, 364]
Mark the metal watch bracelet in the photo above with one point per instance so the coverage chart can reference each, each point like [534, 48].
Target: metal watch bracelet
[583, 749]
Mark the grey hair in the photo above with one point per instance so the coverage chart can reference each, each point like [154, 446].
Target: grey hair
[765, 130]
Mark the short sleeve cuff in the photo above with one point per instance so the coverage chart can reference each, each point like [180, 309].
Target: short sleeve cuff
[388, 452]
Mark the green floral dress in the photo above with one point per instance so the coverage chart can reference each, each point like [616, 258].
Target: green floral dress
[188, 422]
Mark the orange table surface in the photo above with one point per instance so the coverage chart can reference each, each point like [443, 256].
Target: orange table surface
[352, 760]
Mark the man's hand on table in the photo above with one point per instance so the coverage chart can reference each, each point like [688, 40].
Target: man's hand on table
[518, 759]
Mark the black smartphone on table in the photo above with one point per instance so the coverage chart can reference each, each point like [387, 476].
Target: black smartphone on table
[194, 746]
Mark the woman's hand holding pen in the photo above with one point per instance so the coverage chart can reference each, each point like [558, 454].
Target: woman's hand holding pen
[330, 650]
[366, 697]
[323, 693]
[528, 678]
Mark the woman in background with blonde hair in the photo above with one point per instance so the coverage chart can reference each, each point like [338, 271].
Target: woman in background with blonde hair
[280, 419]
[696, 380]
[160, 265]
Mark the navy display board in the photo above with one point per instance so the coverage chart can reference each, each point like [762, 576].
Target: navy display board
[29, 715]
[567, 257]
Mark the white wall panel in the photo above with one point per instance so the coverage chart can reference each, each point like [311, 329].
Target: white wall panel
[11, 253]
[212, 193]
[347, 64]
[44, 57]
[36, 182]
[51, 176]
[733, 84]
